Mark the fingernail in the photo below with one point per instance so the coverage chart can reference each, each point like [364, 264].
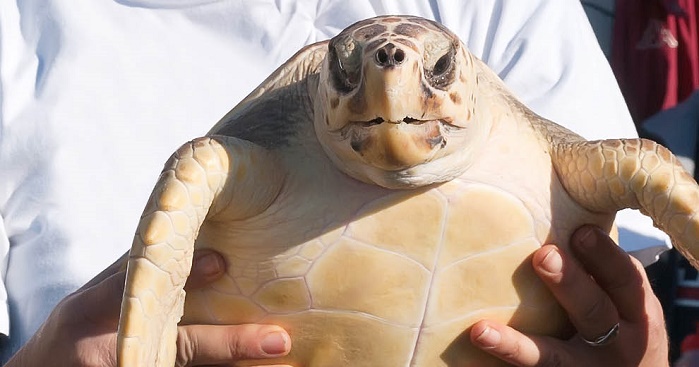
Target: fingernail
[552, 262]
[207, 264]
[275, 343]
[489, 338]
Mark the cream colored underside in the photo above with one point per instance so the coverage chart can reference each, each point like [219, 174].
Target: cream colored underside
[363, 276]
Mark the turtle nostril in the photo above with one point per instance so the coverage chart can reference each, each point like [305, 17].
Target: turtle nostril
[382, 57]
[389, 55]
[399, 56]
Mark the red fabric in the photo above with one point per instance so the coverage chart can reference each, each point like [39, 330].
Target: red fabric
[655, 53]
[688, 293]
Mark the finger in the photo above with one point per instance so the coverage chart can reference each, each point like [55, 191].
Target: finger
[219, 344]
[624, 282]
[518, 349]
[99, 304]
[207, 266]
[589, 308]
[106, 289]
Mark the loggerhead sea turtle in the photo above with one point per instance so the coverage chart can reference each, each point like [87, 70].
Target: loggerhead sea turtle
[375, 196]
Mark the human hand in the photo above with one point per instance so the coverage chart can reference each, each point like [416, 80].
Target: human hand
[617, 292]
[81, 330]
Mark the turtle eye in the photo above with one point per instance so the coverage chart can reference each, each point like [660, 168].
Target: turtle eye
[344, 77]
[442, 65]
[441, 75]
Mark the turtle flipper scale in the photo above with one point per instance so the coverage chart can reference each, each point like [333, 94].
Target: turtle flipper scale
[609, 175]
[194, 185]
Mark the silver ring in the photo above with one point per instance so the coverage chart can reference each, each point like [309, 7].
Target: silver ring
[605, 339]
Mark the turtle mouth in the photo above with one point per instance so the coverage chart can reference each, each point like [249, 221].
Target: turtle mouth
[397, 145]
[432, 130]
[406, 120]
[380, 120]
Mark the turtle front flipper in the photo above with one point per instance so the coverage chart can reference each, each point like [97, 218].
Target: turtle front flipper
[610, 175]
[204, 178]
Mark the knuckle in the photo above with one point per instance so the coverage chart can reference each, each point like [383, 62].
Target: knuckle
[69, 315]
[186, 348]
[238, 348]
[631, 276]
[598, 307]
[626, 280]
[513, 352]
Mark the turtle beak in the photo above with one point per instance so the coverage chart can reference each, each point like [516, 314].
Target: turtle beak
[399, 146]
[392, 83]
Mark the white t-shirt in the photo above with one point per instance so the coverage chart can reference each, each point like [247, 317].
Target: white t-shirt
[95, 96]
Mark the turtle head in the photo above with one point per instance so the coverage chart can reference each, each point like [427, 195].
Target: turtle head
[393, 106]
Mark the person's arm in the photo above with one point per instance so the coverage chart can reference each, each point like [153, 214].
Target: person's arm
[599, 285]
[81, 330]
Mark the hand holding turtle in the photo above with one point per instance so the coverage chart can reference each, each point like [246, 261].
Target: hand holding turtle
[619, 320]
[81, 331]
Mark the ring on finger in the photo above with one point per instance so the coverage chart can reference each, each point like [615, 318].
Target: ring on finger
[605, 339]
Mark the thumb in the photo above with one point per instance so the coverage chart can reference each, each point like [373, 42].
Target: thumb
[519, 349]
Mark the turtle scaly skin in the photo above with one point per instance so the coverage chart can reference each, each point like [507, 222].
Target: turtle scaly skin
[610, 175]
[376, 196]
